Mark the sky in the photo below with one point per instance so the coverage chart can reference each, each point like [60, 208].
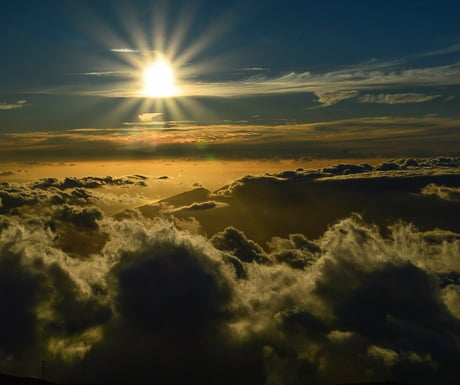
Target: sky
[270, 80]
[230, 192]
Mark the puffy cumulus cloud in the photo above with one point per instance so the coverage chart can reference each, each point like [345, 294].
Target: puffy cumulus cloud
[85, 218]
[88, 182]
[162, 304]
[310, 200]
[442, 192]
[296, 251]
[155, 300]
[401, 98]
[198, 206]
[173, 296]
[24, 199]
[368, 314]
[47, 300]
[235, 242]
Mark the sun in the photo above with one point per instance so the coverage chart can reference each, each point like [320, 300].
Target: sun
[159, 79]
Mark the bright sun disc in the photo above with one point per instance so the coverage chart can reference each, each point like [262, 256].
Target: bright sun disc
[159, 80]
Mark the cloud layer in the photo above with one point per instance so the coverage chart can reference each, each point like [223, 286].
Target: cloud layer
[166, 300]
[363, 137]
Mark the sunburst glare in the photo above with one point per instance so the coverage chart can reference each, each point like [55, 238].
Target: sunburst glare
[155, 66]
[159, 79]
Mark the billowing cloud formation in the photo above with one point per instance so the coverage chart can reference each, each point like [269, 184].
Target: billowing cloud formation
[153, 301]
[443, 192]
[86, 182]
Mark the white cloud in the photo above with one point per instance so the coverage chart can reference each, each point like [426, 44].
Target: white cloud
[125, 50]
[13, 106]
[103, 73]
[150, 116]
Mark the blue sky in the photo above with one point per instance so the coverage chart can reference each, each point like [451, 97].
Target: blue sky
[72, 65]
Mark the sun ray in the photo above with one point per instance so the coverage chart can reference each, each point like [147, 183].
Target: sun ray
[160, 69]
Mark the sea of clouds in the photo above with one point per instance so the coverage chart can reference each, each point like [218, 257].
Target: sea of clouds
[345, 274]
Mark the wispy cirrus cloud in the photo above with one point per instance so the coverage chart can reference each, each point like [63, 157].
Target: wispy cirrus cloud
[124, 50]
[13, 106]
[443, 51]
[394, 76]
[329, 98]
[343, 82]
[103, 73]
[402, 98]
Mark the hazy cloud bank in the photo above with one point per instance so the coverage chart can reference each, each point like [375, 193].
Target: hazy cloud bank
[349, 138]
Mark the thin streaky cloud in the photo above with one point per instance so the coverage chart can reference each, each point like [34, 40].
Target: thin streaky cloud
[104, 73]
[255, 69]
[329, 98]
[443, 51]
[12, 106]
[403, 98]
[125, 50]
[370, 76]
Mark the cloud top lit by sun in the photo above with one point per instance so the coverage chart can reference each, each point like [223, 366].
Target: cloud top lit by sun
[159, 79]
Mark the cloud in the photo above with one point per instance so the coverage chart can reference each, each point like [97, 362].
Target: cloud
[370, 76]
[348, 138]
[124, 50]
[256, 69]
[84, 182]
[85, 218]
[234, 241]
[348, 79]
[297, 251]
[150, 116]
[103, 73]
[12, 106]
[442, 192]
[329, 98]
[199, 206]
[397, 98]
[280, 291]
